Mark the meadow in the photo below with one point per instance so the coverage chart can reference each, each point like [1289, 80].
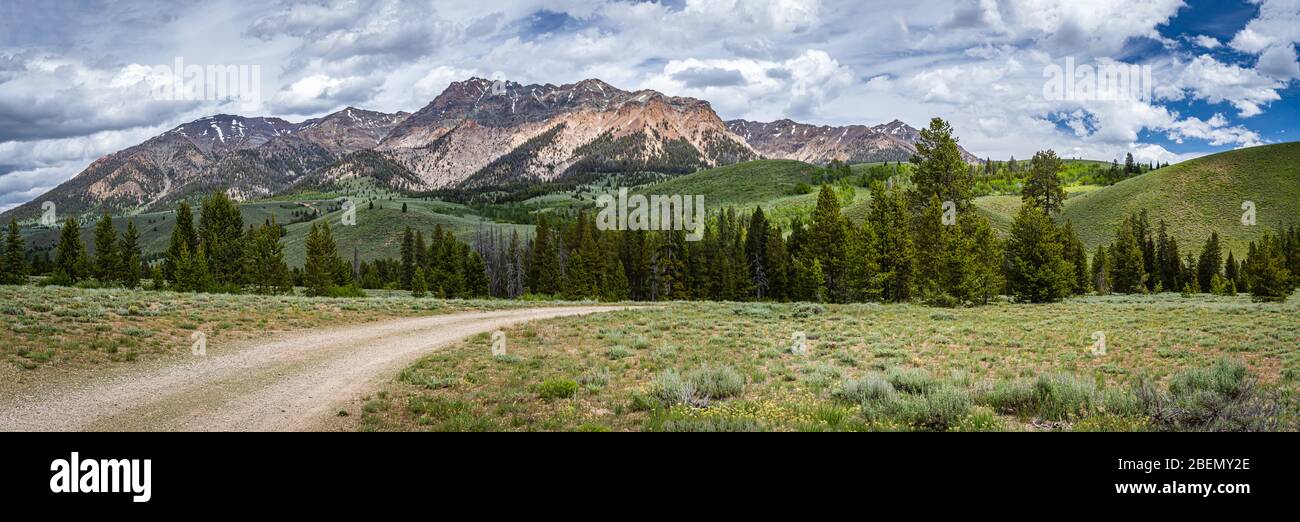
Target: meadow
[1171, 363]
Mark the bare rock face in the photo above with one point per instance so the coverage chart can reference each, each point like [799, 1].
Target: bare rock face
[786, 139]
[482, 133]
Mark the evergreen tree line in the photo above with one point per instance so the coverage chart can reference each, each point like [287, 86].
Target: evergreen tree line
[1143, 259]
[442, 267]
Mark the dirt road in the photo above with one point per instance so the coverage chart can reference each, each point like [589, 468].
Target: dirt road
[291, 382]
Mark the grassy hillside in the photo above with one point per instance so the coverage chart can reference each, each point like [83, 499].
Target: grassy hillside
[378, 232]
[741, 185]
[773, 184]
[1199, 196]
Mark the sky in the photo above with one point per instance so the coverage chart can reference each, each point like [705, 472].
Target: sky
[80, 80]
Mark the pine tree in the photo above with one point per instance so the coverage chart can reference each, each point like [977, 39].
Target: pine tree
[106, 260]
[827, 238]
[890, 221]
[322, 260]
[986, 276]
[70, 264]
[1270, 280]
[1100, 271]
[1127, 272]
[778, 267]
[264, 261]
[1075, 254]
[419, 285]
[1037, 270]
[1044, 186]
[756, 253]
[221, 229]
[408, 258]
[940, 171]
[863, 266]
[131, 259]
[1230, 270]
[544, 272]
[14, 268]
[183, 234]
[1167, 260]
[476, 279]
[1210, 263]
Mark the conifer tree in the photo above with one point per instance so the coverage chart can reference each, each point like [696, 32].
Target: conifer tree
[1100, 271]
[1230, 270]
[1037, 270]
[1270, 280]
[131, 259]
[106, 259]
[221, 229]
[1078, 259]
[778, 267]
[419, 286]
[890, 221]
[1043, 187]
[183, 234]
[544, 273]
[939, 169]
[756, 253]
[827, 239]
[13, 271]
[408, 258]
[264, 260]
[322, 260]
[476, 279]
[1210, 263]
[1127, 272]
[70, 264]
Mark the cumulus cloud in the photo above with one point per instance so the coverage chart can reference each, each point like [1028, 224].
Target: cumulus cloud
[48, 97]
[1246, 89]
[1272, 36]
[797, 87]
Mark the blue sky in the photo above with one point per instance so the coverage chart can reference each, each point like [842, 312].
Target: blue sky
[76, 77]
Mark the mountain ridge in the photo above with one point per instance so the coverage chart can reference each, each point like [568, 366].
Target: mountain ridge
[476, 134]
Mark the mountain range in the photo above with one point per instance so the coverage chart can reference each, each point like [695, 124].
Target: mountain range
[477, 134]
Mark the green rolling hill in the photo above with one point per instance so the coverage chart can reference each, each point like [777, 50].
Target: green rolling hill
[1199, 196]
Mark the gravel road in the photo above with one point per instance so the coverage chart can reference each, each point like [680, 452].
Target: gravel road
[289, 382]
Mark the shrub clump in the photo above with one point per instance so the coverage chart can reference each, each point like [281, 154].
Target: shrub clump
[872, 387]
[911, 380]
[1222, 397]
[558, 388]
[697, 387]
[717, 381]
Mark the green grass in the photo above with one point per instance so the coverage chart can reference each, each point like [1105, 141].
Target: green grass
[742, 185]
[728, 366]
[1200, 196]
[378, 232]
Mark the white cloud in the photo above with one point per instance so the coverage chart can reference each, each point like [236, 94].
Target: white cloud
[1208, 42]
[1208, 79]
[797, 87]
